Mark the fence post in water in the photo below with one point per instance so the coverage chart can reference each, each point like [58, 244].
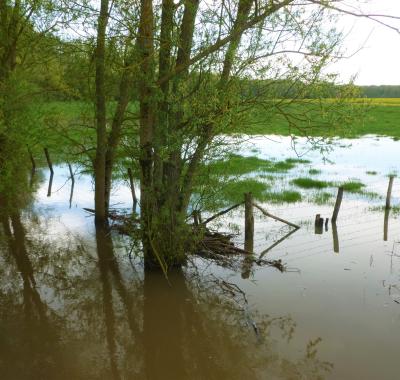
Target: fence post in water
[386, 224]
[389, 191]
[46, 152]
[335, 238]
[248, 223]
[337, 204]
[319, 224]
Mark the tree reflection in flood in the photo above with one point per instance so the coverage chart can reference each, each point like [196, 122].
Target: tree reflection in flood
[73, 308]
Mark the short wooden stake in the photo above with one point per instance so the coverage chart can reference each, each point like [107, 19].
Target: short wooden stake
[319, 224]
[389, 191]
[337, 204]
[248, 223]
[46, 152]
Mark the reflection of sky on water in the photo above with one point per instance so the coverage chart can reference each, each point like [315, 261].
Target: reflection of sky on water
[373, 153]
[346, 298]
[74, 218]
[348, 159]
[349, 299]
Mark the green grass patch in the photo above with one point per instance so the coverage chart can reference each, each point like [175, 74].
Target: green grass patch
[297, 161]
[380, 117]
[279, 167]
[314, 171]
[371, 172]
[394, 210]
[233, 191]
[238, 165]
[371, 195]
[322, 198]
[283, 197]
[309, 183]
[270, 177]
[353, 186]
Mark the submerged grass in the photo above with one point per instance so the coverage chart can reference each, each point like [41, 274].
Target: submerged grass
[233, 191]
[310, 183]
[314, 171]
[353, 186]
[394, 210]
[286, 196]
[322, 198]
[239, 165]
[297, 161]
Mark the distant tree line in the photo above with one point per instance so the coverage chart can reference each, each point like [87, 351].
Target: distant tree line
[383, 91]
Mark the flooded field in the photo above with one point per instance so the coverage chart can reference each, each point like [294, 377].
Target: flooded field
[75, 304]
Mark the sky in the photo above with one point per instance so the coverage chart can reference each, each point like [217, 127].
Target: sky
[378, 61]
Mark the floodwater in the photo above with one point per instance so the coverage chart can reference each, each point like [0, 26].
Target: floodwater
[75, 304]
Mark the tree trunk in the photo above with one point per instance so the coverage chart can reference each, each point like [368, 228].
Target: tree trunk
[114, 137]
[101, 124]
[146, 131]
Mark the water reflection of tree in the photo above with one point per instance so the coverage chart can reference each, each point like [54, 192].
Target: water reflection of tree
[72, 311]
[30, 348]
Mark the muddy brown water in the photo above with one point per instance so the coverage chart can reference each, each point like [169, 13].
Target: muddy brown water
[75, 303]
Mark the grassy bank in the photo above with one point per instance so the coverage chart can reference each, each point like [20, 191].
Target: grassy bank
[380, 117]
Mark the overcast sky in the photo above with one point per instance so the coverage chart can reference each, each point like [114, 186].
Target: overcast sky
[378, 62]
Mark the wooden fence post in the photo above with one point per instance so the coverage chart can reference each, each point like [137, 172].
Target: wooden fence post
[386, 224]
[319, 224]
[248, 223]
[335, 238]
[389, 191]
[337, 204]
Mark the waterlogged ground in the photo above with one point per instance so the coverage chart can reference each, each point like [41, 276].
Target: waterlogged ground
[74, 302]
